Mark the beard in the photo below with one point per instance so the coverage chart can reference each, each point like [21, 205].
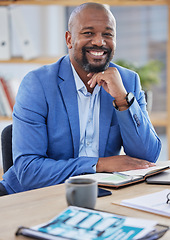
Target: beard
[88, 67]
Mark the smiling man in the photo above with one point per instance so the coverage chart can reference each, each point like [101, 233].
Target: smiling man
[74, 116]
[91, 38]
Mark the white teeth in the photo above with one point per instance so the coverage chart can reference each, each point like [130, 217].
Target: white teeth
[97, 53]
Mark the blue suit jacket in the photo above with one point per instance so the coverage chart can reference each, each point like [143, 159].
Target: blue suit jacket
[46, 128]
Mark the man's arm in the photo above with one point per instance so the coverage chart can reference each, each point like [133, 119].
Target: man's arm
[42, 142]
[139, 138]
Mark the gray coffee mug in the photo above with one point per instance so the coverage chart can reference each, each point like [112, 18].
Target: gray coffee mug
[81, 192]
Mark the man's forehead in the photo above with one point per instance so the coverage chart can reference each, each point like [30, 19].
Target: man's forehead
[89, 20]
[94, 13]
[90, 15]
[93, 27]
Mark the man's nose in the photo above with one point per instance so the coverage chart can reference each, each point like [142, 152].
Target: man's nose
[98, 40]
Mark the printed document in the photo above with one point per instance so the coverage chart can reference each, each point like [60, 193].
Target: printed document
[155, 202]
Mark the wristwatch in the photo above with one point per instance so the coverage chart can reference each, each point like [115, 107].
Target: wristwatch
[127, 102]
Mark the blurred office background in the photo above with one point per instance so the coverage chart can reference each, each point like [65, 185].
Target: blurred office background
[142, 34]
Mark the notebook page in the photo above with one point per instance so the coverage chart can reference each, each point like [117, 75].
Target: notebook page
[144, 171]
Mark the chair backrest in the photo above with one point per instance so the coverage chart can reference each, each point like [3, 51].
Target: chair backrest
[6, 146]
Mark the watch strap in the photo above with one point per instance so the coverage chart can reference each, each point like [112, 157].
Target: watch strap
[122, 103]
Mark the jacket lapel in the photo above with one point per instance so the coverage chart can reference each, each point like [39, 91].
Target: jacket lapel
[106, 112]
[68, 91]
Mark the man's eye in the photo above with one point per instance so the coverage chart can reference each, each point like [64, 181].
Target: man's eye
[87, 33]
[108, 34]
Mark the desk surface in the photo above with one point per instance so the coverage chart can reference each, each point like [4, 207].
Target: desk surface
[39, 206]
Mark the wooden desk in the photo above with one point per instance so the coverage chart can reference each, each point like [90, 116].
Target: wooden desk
[38, 206]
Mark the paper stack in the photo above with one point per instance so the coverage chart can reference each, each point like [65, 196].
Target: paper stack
[154, 202]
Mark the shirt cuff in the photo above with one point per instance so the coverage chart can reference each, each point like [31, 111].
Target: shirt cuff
[94, 167]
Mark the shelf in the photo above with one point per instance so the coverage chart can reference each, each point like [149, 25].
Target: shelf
[40, 60]
[159, 119]
[3, 118]
[78, 2]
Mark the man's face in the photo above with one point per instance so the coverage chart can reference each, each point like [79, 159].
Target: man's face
[92, 40]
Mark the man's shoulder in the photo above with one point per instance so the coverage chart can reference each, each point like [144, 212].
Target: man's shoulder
[52, 68]
[48, 72]
[47, 75]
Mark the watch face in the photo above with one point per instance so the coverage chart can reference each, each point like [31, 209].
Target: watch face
[130, 98]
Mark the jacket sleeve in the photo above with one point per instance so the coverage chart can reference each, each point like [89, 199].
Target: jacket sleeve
[32, 164]
[138, 135]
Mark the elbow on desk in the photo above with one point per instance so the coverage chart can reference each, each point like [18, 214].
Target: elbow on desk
[149, 152]
[154, 151]
[29, 174]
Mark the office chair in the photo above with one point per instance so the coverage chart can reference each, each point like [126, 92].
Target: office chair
[6, 146]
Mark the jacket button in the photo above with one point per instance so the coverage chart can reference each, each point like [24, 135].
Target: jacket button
[137, 120]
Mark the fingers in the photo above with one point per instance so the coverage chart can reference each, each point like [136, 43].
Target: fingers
[142, 162]
[101, 77]
[121, 163]
[145, 164]
[135, 163]
[110, 80]
[96, 78]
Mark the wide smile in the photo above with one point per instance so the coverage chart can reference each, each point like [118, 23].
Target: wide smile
[100, 54]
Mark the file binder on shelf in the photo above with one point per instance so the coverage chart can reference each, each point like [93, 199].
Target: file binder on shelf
[6, 109]
[2, 109]
[5, 53]
[26, 43]
[7, 92]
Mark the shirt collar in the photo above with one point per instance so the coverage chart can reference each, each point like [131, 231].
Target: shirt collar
[80, 86]
[79, 83]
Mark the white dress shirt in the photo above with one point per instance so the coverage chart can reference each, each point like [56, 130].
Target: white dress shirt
[89, 108]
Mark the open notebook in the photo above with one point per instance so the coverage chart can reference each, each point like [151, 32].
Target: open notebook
[119, 179]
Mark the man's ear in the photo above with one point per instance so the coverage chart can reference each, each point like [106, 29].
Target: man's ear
[68, 39]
